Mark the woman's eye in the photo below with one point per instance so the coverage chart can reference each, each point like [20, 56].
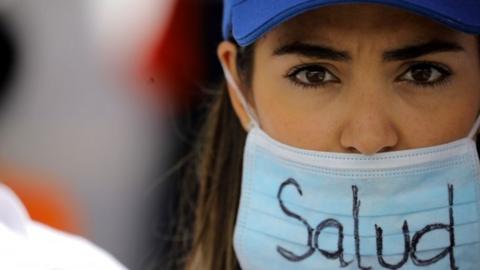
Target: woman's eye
[425, 74]
[311, 76]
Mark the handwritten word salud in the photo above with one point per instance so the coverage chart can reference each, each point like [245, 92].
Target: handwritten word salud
[410, 243]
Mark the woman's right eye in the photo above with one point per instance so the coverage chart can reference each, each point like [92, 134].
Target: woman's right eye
[311, 76]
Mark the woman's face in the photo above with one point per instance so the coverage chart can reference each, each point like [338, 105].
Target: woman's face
[362, 79]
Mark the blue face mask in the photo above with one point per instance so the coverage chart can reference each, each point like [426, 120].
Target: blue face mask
[413, 209]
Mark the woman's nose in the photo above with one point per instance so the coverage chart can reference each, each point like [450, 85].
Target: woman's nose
[369, 130]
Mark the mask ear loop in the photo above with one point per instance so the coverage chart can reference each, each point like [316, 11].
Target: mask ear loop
[475, 128]
[248, 109]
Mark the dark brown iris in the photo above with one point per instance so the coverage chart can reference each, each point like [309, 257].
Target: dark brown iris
[315, 76]
[422, 73]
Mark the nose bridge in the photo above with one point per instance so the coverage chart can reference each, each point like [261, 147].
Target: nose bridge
[369, 128]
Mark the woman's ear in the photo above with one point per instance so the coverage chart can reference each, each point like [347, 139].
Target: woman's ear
[227, 54]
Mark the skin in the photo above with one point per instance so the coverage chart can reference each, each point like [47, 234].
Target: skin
[366, 104]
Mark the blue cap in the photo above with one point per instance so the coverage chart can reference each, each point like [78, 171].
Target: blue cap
[247, 20]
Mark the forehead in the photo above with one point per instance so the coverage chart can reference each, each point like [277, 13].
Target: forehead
[345, 22]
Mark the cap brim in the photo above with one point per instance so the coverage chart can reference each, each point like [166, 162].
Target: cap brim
[253, 18]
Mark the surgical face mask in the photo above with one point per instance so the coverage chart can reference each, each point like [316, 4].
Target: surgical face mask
[412, 209]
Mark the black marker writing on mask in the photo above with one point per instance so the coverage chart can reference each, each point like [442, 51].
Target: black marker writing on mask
[286, 253]
[356, 211]
[311, 244]
[406, 252]
[410, 246]
[339, 253]
[432, 227]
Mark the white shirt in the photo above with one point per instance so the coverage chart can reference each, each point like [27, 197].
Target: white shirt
[29, 245]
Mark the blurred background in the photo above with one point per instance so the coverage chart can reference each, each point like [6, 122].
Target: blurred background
[99, 99]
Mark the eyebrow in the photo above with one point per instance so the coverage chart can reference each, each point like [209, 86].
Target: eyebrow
[417, 50]
[313, 51]
[404, 53]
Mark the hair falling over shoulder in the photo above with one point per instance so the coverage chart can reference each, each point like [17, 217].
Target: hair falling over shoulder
[215, 172]
[218, 174]
[201, 235]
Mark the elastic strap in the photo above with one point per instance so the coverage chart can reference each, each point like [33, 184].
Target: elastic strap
[250, 112]
[474, 129]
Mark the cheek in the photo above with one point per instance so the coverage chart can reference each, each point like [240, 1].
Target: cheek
[314, 131]
[465, 107]
[296, 117]
[459, 115]
[437, 117]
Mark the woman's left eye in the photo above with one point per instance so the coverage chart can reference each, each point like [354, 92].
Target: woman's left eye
[425, 74]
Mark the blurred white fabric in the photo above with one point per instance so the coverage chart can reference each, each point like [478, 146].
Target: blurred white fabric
[27, 245]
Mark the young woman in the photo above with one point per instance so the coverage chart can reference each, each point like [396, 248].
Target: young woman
[343, 138]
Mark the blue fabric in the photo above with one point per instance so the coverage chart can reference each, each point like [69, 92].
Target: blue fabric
[247, 20]
[431, 196]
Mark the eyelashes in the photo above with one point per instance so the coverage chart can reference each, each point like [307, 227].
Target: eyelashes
[425, 74]
[311, 76]
[421, 74]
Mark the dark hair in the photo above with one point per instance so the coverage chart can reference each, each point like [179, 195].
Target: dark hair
[217, 171]
[245, 64]
[209, 188]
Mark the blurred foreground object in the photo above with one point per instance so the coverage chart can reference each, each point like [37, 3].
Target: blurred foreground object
[26, 244]
[52, 205]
